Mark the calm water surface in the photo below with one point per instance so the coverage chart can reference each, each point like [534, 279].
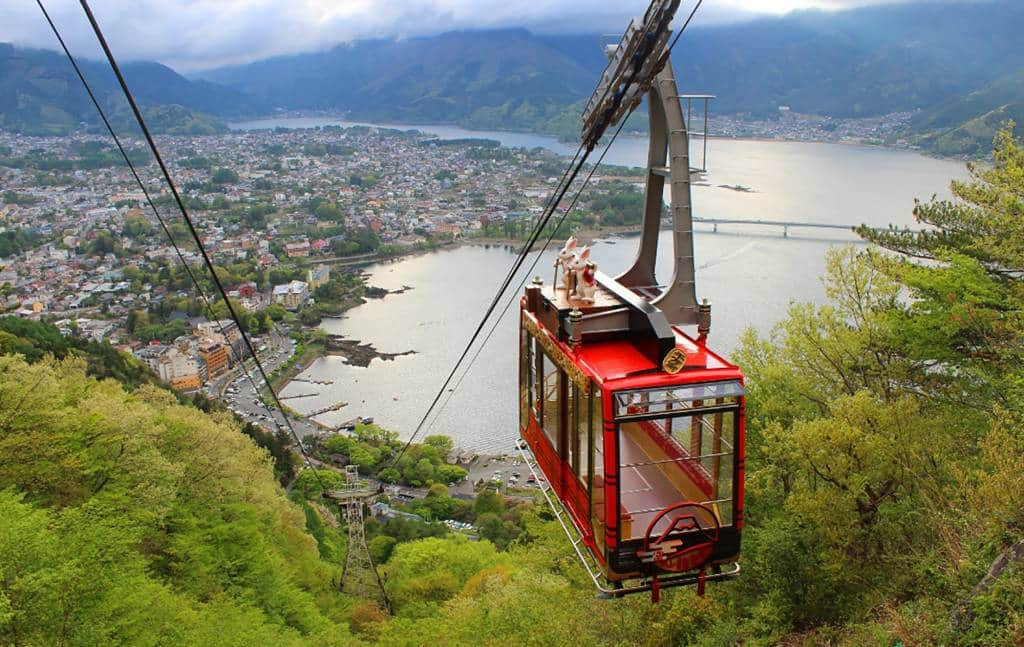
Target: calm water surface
[750, 274]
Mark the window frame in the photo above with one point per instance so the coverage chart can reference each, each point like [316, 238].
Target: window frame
[732, 439]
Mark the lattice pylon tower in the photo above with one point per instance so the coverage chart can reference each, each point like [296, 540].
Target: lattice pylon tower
[358, 576]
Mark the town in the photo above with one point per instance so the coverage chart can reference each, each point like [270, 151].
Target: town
[285, 216]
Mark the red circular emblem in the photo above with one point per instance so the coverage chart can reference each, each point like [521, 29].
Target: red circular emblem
[686, 543]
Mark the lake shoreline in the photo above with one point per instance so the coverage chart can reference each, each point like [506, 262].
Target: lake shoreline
[403, 125]
[750, 275]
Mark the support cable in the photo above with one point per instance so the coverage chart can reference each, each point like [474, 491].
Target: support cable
[512, 300]
[192, 230]
[149, 200]
[533, 265]
[540, 226]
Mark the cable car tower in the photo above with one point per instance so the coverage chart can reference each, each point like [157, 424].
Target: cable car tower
[358, 576]
[637, 427]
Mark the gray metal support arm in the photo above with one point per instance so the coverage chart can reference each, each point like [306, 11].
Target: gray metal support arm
[669, 151]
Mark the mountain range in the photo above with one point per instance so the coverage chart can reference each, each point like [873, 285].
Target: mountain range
[41, 95]
[957, 65]
[966, 125]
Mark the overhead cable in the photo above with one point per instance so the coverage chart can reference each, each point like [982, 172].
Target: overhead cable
[192, 229]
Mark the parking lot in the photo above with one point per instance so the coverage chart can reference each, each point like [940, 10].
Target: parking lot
[507, 472]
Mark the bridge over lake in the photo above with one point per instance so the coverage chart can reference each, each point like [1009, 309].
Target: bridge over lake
[785, 224]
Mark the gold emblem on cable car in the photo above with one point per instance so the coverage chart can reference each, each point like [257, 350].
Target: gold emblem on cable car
[674, 361]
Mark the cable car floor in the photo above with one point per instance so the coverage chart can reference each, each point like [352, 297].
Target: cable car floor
[649, 481]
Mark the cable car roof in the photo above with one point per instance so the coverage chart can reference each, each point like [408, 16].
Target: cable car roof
[620, 359]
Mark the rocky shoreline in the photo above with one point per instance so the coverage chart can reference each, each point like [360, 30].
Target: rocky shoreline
[356, 353]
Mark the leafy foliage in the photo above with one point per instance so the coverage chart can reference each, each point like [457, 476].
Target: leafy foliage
[16, 241]
[129, 518]
[885, 487]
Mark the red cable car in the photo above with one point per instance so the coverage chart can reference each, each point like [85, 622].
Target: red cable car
[637, 427]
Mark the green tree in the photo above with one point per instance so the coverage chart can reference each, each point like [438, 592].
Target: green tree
[389, 475]
[365, 456]
[443, 444]
[381, 548]
[488, 502]
[224, 176]
[310, 316]
[438, 502]
[419, 473]
[103, 243]
[312, 482]
[329, 211]
[366, 239]
[967, 301]
[137, 227]
[427, 572]
[276, 312]
[500, 532]
[450, 473]
[163, 523]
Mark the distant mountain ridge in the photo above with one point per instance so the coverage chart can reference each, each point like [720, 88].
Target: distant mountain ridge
[860, 62]
[486, 79]
[967, 124]
[958, 65]
[40, 94]
[856, 63]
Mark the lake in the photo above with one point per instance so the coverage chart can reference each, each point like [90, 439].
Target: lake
[750, 274]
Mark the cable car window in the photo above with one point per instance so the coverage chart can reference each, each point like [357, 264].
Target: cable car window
[536, 395]
[695, 396]
[525, 375]
[551, 379]
[597, 493]
[583, 437]
[688, 456]
[577, 410]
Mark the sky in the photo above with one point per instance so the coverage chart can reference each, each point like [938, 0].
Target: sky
[191, 35]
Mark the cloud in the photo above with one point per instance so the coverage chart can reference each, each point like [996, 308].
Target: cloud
[195, 34]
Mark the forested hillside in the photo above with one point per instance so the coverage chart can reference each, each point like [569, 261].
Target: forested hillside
[885, 489]
[855, 63]
[958, 62]
[967, 125]
[509, 79]
[41, 95]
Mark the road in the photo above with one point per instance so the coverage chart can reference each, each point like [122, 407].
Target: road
[237, 392]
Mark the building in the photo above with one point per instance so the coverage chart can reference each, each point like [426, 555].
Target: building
[172, 365]
[187, 382]
[386, 512]
[204, 374]
[248, 290]
[446, 228]
[216, 356]
[298, 248]
[292, 295]
[318, 276]
[224, 330]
